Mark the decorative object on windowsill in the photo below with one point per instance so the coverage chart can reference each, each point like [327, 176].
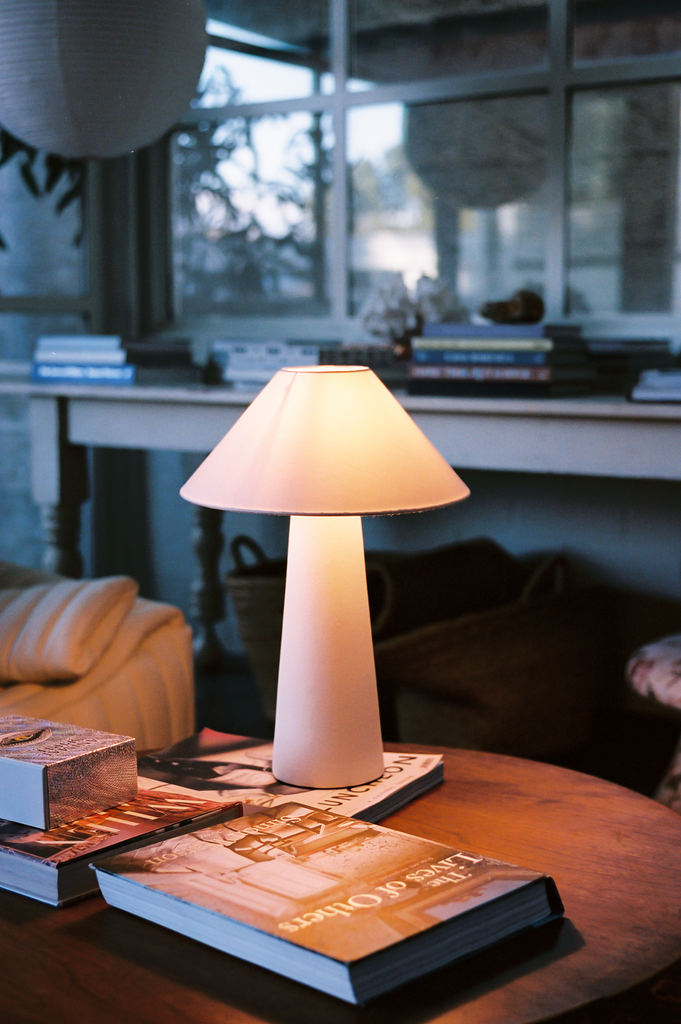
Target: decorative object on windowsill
[524, 307]
[84, 83]
[436, 303]
[325, 445]
[390, 312]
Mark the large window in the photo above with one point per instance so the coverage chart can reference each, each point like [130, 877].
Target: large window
[44, 289]
[516, 144]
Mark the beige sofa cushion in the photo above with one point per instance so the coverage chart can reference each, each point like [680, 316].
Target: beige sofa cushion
[58, 631]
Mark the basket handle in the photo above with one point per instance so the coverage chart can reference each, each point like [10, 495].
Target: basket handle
[556, 564]
[243, 541]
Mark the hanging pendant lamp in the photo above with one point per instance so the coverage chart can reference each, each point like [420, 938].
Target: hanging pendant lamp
[97, 78]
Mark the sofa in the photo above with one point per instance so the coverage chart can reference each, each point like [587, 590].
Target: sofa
[93, 653]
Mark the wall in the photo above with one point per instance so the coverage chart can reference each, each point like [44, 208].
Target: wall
[621, 532]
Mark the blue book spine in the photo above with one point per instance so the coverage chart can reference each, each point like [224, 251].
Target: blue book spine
[60, 373]
[455, 330]
[486, 358]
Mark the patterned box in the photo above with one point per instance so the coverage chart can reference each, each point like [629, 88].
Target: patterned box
[52, 773]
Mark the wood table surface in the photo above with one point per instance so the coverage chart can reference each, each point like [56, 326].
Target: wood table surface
[615, 855]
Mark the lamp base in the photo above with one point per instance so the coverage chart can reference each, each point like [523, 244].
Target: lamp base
[327, 732]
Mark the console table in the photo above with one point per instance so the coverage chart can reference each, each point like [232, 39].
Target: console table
[584, 436]
[615, 855]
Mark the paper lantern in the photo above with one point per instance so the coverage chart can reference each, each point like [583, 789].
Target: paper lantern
[97, 79]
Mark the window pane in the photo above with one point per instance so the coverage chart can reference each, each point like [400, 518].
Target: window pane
[626, 28]
[455, 190]
[418, 39]
[624, 205]
[277, 51]
[44, 250]
[19, 331]
[250, 201]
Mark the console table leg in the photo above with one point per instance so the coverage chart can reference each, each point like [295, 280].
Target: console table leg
[59, 483]
[61, 531]
[208, 596]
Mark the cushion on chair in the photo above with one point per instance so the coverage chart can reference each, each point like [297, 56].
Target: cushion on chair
[56, 631]
[654, 671]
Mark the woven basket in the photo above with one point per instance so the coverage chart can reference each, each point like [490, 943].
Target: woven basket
[517, 666]
[523, 679]
[257, 593]
[405, 591]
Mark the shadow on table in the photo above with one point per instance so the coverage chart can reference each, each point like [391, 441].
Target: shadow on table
[273, 998]
[18, 910]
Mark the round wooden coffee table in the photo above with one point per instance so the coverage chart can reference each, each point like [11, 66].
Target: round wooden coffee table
[615, 856]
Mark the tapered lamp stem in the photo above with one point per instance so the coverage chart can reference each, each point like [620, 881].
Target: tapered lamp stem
[327, 732]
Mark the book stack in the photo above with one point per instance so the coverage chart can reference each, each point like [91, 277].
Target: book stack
[69, 795]
[213, 846]
[249, 365]
[379, 358]
[658, 386]
[618, 362]
[500, 360]
[81, 359]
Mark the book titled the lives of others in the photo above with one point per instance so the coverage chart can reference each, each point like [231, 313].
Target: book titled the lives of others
[347, 907]
[52, 773]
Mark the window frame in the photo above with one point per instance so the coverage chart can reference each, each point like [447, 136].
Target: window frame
[558, 79]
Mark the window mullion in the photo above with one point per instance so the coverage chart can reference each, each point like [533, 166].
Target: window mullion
[338, 265]
[94, 235]
[556, 232]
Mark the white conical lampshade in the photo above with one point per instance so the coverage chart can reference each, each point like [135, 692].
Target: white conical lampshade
[324, 440]
[85, 79]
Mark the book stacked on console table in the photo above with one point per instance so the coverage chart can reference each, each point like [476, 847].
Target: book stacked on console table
[81, 359]
[619, 362]
[500, 360]
[658, 386]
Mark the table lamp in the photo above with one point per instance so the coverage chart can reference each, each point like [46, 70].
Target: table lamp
[325, 445]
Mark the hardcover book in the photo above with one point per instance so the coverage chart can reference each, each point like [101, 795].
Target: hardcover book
[228, 767]
[347, 907]
[493, 330]
[72, 373]
[482, 343]
[53, 866]
[51, 773]
[487, 357]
